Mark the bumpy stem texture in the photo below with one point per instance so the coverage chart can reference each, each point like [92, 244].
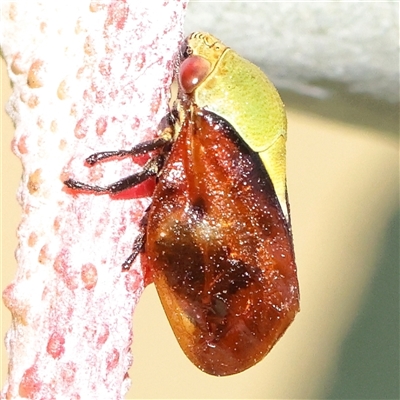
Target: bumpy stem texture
[87, 77]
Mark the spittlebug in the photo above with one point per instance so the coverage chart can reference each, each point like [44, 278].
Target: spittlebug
[217, 234]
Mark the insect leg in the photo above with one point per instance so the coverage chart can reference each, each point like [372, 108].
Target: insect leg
[136, 249]
[138, 244]
[151, 168]
[141, 148]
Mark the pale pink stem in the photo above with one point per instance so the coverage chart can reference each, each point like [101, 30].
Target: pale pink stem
[87, 76]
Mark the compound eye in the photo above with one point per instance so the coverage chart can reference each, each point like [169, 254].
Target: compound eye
[185, 51]
[192, 72]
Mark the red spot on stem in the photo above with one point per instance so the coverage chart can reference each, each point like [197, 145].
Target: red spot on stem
[112, 359]
[55, 345]
[89, 276]
[30, 383]
[117, 14]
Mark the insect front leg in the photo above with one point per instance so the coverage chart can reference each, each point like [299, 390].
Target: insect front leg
[166, 127]
[151, 168]
[141, 148]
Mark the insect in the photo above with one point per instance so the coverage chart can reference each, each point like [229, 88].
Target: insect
[218, 234]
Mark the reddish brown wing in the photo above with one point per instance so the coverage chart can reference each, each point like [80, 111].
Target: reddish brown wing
[221, 249]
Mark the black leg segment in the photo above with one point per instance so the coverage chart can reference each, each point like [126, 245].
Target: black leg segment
[151, 168]
[139, 149]
[137, 247]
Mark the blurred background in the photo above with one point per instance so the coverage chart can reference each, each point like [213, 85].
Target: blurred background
[336, 66]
